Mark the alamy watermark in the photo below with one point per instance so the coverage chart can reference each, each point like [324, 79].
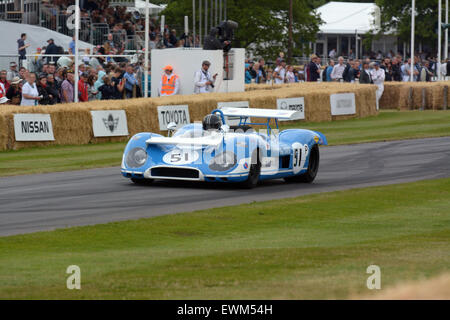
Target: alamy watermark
[74, 280]
[374, 281]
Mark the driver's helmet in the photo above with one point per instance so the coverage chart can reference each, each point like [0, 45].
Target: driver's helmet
[212, 122]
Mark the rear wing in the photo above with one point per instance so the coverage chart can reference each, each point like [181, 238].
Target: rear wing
[245, 113]
[260, 113]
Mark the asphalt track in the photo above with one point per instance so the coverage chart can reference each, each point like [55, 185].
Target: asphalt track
[57, 200]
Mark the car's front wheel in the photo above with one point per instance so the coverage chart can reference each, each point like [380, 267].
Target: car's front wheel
[313, 168]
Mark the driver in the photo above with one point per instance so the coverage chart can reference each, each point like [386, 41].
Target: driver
[212, 122]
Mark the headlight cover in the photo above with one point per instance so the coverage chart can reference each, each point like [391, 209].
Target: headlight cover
[136, 158]
[223, 162]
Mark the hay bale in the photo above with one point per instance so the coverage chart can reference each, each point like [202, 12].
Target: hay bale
[365, 99]
[3, 132]
[72, 123]
[395, 96]
[437, 95]
[317, 107]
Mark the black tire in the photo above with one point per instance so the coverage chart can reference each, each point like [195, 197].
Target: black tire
[142, 182]
[254, 173]
[313, 168]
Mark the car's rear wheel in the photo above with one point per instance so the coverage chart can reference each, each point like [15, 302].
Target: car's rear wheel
[254, 172]
[142, 182]
[313, 168]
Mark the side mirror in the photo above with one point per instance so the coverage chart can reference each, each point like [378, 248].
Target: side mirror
[171, 127]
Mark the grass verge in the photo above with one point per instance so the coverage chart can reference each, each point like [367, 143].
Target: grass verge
[310, 247]
[389, 125]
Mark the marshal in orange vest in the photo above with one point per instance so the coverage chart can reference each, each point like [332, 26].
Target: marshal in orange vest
[168, 85]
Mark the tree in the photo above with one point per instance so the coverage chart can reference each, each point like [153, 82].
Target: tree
[396, 15]
[263, 24]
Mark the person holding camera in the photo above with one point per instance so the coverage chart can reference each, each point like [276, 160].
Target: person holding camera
[204, 82]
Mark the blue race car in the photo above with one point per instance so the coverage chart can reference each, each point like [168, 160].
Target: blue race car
[213, 151]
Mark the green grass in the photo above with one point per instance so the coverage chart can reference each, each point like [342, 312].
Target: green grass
[60, 158]
[389, 125]
[309, 247]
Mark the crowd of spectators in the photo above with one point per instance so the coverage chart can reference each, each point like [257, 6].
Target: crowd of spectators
[124, 26]
[395, 68]
[103, 75]
[48, 80]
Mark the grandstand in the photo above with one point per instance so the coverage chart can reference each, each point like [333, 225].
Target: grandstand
[123, 19]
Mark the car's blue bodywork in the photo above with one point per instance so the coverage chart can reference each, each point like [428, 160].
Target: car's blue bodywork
[224, 156]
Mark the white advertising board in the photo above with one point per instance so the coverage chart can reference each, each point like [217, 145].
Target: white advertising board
[178, 114]
[233, 121]
[109, 123]
[295, 104]
[342, 104]
[33, 127]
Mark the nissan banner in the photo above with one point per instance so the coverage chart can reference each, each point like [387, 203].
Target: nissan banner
[33, 127]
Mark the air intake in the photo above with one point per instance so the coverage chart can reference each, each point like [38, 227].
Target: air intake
[175, 173]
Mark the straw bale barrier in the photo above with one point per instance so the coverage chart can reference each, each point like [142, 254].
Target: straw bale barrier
[397, 95]
[3, 132]
[72, 123]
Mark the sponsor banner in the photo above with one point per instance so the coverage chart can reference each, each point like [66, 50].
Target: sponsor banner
[233, 121]
[342, 104]
[109, 123]
[33, 127]
[297, 104]
[176, 114]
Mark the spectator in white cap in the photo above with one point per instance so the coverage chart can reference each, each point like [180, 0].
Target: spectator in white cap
[378, 76]
[12, 72]
[14, 93]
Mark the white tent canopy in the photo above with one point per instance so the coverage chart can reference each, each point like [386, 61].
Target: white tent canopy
[153, 8]
[36, 37]
[349, 17]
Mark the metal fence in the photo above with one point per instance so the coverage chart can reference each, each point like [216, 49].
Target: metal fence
[36, 12]
[55, 20]
[5, 60]
[136, 42]
[34, 62]
[9, 12]
[99, 33]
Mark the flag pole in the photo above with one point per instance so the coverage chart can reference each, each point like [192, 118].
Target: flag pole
[413, 22]
[439, 39]
[147, 21]
[77, 29]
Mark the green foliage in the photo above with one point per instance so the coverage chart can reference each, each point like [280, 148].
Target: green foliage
[263, 24]
[396, 15]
